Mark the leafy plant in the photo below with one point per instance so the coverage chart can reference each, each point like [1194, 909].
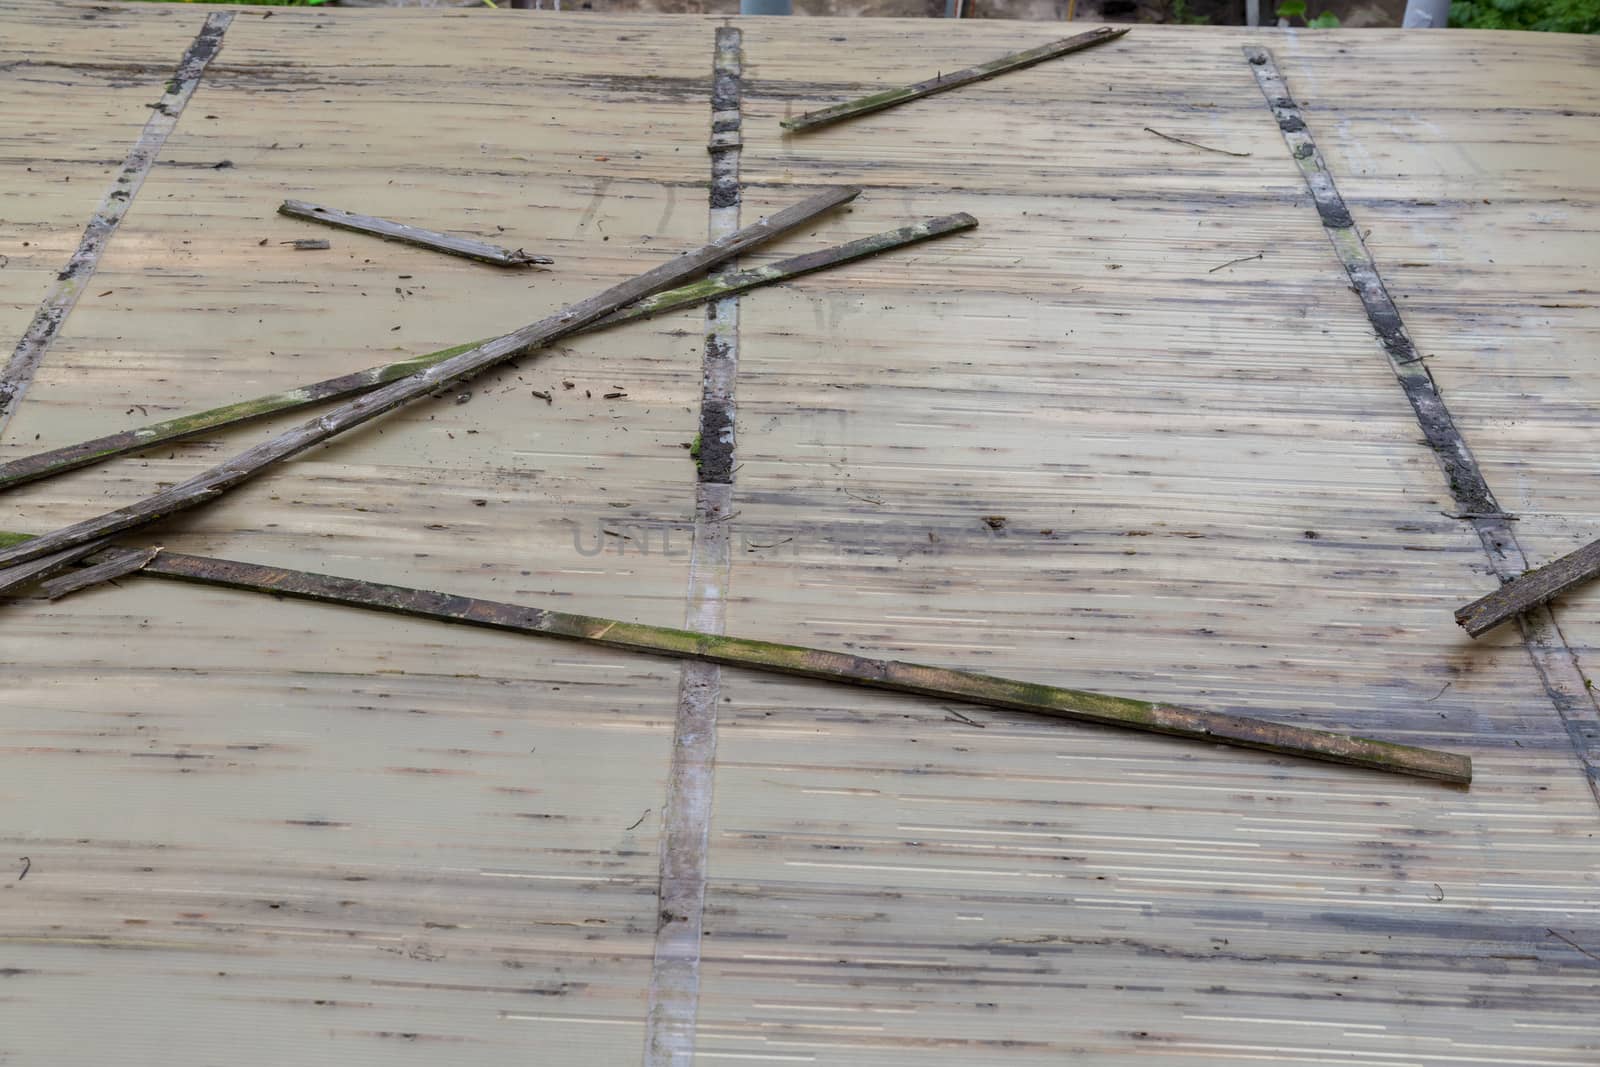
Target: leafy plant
[1296, 9]
[1554, 16]
[1178, 12]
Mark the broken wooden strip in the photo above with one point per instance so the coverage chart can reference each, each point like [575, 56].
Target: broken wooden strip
[943, 82]
[936, 682]
[467, 247]
[1529, 591]
[184, 427]
[246, 465]
[113, 563]
[39, 569]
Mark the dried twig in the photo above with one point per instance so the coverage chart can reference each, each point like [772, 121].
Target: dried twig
[467, 247]
[1194, 144]
[1232, 262]
[1565, 938]
[943, 82]
[184, 427]
[216, 481]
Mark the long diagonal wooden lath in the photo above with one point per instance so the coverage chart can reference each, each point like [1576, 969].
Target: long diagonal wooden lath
[939, 683]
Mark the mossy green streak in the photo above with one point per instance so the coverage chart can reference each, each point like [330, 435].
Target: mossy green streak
[183, 427]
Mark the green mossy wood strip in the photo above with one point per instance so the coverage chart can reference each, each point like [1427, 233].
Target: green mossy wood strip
[936, 682]
[1529, 591]
[945, 82]
[82, 454]
[246, 465]
[466, 247]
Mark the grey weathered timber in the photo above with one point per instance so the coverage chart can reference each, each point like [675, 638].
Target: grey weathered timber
[35, 570]
[112, 563]
[246, 465]
[466, 247]
[183, 427]
[865, 105]
[938, 683]
[1529, 591]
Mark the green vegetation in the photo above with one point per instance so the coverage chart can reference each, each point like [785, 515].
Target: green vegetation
[263, 3]
[1296, 9]
[1554, 16]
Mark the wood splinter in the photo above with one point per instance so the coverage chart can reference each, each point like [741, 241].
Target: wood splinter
[1529, 591]
[113, 563]
[466, 247]
[938, 683]
[39, 569]
[945, 82]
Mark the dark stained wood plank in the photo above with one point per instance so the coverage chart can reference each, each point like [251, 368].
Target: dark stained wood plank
[1529, 591]
[1469, 488]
